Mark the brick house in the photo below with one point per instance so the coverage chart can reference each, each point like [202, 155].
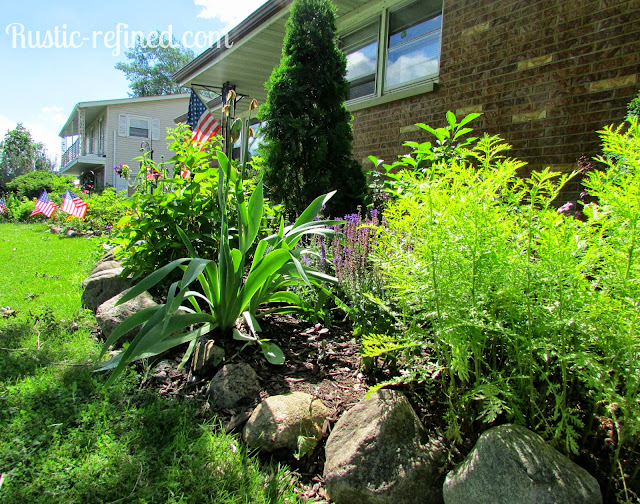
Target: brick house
[546, 75]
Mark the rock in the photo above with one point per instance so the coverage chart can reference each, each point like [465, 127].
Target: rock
[206, 357]
[278, 421]
[55, 229]
[233, 385]
[101, 286]
[110, 316]
[106, 265]
[511, 464]
[379, 453]
[70, 232]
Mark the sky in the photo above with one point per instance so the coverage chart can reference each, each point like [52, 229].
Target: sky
[55, 54]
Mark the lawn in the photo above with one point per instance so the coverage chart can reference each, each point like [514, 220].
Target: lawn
[63, 437]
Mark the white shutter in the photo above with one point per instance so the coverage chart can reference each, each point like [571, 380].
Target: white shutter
[155, 129]
[122, 125]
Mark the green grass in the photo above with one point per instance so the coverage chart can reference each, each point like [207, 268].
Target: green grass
[63, 438]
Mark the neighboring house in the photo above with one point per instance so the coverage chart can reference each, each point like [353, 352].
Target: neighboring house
[545, 74]
[100, 135]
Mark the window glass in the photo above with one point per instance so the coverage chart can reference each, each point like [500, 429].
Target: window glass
[361, 49]
[138, 127]
[414, 43]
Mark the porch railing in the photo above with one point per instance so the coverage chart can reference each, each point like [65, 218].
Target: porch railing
[71, 153]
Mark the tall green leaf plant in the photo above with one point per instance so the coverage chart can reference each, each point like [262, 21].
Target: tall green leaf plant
[234, 287]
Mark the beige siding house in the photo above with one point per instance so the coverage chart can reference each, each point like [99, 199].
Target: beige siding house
[100, 135]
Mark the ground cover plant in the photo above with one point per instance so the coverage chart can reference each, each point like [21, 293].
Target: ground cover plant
[509, 308]
[63, 436]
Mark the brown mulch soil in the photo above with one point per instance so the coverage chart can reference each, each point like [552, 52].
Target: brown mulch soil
[322, 361]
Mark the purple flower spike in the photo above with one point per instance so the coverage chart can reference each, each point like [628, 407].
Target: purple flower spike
[566, 207]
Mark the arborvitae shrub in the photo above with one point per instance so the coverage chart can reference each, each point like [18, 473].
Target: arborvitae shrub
[307, 147]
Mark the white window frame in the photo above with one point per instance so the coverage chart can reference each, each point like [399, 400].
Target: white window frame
[385, 94]
[138, 117]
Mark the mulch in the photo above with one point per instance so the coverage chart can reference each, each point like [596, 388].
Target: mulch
[322, 361]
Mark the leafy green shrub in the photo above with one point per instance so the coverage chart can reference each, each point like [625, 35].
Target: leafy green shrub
[307, 135]
[30, 185]
[513, 310]
[104, 211]
[233, 287]
[147, 236]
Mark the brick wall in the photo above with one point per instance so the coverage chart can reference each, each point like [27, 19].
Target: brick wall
[545, 74]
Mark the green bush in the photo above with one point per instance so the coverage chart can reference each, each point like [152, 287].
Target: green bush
[307, 135]
[31, 185]
[514, 310]
[104, 210]
[147, 236]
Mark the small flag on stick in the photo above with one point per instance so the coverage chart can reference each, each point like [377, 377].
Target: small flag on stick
[3, 206]
[74, 205]
[44, 205]
[203, 125]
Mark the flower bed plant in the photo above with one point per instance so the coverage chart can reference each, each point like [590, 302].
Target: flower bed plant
[512, 309]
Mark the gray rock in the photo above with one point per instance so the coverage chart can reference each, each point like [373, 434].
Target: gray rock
[379, 453]
[206, 357]
[278, 421]
[101, 286]
[106, 265]
[512, 465]
[110, 316]
[233, 385]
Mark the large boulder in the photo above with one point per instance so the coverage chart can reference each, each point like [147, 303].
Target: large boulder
[512, 465]
[234, 385]
[110, 316]
[379, 453]
[106, 265]
[102, 286]
[279, 421]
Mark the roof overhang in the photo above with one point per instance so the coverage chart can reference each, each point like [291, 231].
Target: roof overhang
[247, 55]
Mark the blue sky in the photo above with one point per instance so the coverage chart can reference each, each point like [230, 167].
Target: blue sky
[40, 86]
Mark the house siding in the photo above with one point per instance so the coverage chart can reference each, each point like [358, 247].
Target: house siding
[128, 148]
[545, 75]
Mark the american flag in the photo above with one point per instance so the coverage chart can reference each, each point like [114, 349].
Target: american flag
[74, 205]
[3, 206]
[202, 123]
[44, 205]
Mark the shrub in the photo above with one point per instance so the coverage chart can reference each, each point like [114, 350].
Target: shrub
[307, 135]
[514, 310]
[30, 185]
[147, 236]
[104, 210]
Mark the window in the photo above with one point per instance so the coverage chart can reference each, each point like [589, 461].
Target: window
[138, 127]
[361, 49]
[410, 36]
[413, 47]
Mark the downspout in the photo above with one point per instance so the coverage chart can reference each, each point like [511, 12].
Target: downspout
[113, 179]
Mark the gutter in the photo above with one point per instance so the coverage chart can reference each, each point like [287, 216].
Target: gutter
[242, 30]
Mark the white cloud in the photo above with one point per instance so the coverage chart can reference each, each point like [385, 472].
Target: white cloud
[409, 67]
[229, 14]
[359, 65]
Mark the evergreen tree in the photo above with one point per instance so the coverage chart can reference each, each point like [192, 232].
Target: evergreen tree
[151, 65]
[307, 137]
